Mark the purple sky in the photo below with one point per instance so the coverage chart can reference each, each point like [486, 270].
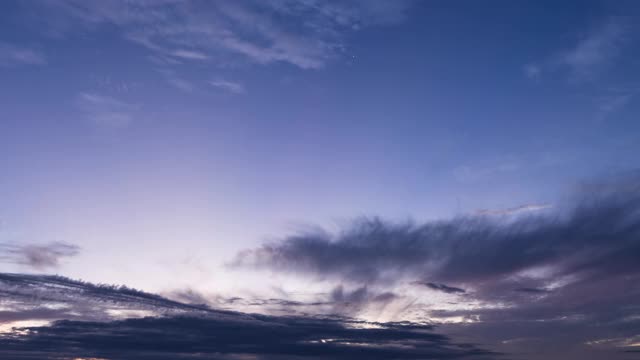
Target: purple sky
[436, 161]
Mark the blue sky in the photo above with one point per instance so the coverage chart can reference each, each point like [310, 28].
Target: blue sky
[160, 138]
[419, 110]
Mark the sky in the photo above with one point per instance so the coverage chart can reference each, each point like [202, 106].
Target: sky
[464, 173]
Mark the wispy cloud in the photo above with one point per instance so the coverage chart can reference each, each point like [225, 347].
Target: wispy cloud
[487, 170]
[533, 71]
[589, 56]
[229, 86]
[440, 287]
[595, 50]
[612, 102]
[306, 34]
[38, 256]
[13, 55]
[177, 81]
[106, 111]
[522, 209]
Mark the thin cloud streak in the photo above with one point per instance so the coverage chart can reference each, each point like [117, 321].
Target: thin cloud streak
[262, 32]
[13, 55]
[229, 86]
[589, 56]
[106, 111]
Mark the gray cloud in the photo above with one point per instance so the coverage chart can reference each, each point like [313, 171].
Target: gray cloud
[37, 256]
[554, 279]
[440, 287]
[598, 235]
[97, 326]
[253, 336]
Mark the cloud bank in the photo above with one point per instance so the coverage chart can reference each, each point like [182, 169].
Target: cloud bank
[173, 330]
[597, 236]
[563, 278]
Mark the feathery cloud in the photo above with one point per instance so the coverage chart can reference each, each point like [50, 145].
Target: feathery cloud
[13, 55]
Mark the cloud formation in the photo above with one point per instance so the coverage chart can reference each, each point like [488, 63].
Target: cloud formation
[99, 325]
[37, 256]
[598, 235]
[247, 336]
[593, 52]
[441, 287]
[561, 278]
[13, 55]
[106, 111]
[306, 34]
[228, 86]
[596, 49]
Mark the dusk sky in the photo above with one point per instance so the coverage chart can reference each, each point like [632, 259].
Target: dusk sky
[308, 179]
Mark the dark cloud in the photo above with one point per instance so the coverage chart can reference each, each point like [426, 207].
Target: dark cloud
[544, 285]
[182, 331]
[440, 287]
[263, 337]
[532, 290]
[598, 235]
[48, 297]
[38, 256]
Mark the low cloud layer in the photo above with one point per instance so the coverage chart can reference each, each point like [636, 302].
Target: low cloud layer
[564, 278]
[254, 337]
[99, 325]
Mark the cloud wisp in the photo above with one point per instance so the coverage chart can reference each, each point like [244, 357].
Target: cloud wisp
[589, 56]
[306, 34]
[36, 256]
[105, 111]
[12, 56]
[229, 86]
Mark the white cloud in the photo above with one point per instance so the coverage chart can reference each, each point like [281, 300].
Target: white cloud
[522, 209]
[611, 103]
[586, 58]
[487, 170]
[306, 33]
[230, 86]
[189, 54]
[597, 49]
[106, 111]
[180, 84]
[176, 81]
[12, 55]
[532, 71]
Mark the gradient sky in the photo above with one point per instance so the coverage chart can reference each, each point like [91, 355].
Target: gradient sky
[147, 143]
